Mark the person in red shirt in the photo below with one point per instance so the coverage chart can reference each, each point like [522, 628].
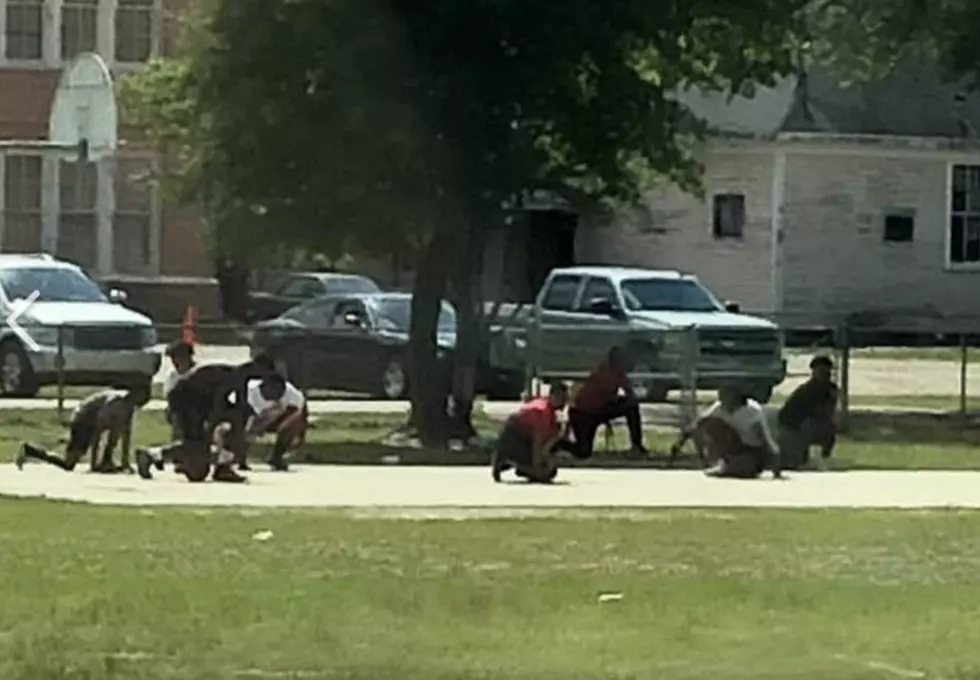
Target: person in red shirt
[529, 438]
[599, 402]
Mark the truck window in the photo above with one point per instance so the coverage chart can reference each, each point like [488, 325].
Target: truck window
[598, 288]
[561, 293]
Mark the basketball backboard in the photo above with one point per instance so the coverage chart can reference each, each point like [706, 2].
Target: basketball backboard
[85, 108]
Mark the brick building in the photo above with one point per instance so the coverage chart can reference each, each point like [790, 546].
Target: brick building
[106, 216]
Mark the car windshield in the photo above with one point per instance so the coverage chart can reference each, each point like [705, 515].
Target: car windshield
[51, 285]
[663, 295]
[396, 314]
[351, 285]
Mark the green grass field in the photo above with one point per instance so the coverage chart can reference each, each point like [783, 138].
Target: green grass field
[875, 441]
[161, 594]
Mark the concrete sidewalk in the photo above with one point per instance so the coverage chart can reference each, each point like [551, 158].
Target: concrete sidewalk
[454, 487]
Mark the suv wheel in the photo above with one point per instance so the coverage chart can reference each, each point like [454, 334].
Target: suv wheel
[16, 375]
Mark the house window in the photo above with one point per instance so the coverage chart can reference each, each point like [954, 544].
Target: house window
[132, 224]
[964, 220]
[729, 216]
[78, 216]
[134, 30]
[22, 204]
[899, 227]
[24, 29]
[79, 27]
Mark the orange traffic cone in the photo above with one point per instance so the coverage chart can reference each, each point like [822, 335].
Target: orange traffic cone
[187, 333]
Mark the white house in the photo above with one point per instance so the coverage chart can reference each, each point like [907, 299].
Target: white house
[823, 200]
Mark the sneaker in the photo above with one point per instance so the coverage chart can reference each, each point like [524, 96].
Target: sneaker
[225, 473]
[244, 467]
[278, 464]
[496, 467]
[21, 457]
[143, 463]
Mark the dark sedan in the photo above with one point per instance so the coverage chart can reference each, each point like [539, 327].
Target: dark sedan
[352, 343]
[301, 287]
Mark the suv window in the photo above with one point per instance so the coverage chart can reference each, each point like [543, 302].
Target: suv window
[598, 288]
[561, 293]
[50, 284]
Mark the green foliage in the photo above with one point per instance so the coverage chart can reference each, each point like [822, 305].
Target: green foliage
[342, 125]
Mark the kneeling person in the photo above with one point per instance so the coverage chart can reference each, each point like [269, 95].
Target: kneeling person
[277, 406]
[735, 436]
[529, 438]
[808, 417]
[107, 412]
[599, 402]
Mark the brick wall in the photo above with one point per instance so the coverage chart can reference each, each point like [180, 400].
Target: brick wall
[835, 257]
[674, 231]
[25, 101]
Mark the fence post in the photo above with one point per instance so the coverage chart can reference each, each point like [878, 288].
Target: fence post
[844, 359]
[689, 355]
[964, 361]
[532, 341]
[59, 365]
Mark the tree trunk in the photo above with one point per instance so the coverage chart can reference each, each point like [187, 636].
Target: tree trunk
[470, 336]
[427, 383]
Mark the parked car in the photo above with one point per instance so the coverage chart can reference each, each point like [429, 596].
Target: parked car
[301, 287]
[102, 342]
[354, 343]
[581, 312]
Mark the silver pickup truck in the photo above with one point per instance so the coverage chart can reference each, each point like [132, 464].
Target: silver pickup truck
[581, 312]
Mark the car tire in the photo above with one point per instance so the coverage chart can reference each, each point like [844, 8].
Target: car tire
[17, 378]
[393, 381]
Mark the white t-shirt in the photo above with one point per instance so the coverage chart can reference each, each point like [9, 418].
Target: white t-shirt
[262, 407]
[744, 420]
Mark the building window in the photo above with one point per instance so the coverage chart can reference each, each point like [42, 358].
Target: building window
[79, 27]
[134, 30]
[25, 32]
[964, 211]
[899, 226]
[729, 216]
[133, 221]
[78, 216]
[22, 204]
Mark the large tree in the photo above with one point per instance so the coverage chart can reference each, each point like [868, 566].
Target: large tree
[388, 125]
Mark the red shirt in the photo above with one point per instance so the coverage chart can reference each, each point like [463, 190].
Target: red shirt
[600, 388]
[538, 417]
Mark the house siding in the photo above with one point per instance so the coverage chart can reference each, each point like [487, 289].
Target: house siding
[673, 230]
[835, 259]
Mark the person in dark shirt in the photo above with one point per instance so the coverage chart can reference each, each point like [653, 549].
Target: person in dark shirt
[808, 416]
[203, 397]
[599, 402]
[107, 412]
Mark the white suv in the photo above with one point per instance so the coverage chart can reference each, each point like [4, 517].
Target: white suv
[102, 342]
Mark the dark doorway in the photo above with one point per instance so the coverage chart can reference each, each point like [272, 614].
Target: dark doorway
[549, 242]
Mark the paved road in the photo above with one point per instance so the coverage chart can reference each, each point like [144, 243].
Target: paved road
[448, 488]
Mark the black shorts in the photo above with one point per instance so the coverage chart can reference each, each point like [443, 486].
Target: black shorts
[80, 436]
[515, 444]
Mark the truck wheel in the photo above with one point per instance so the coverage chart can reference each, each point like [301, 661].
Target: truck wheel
[650, 391]
[762, 393]
[17, 377]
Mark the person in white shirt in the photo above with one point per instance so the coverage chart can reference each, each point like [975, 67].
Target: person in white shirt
[276, 406]
[734, 435]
